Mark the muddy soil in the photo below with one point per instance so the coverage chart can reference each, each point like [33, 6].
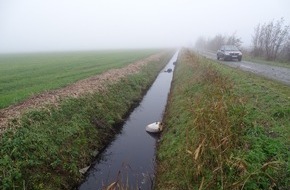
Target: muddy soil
[93, 84]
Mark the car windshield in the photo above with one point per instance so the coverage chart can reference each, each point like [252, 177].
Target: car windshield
[231, 48]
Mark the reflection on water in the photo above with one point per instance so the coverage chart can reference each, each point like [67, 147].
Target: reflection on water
[130, 158]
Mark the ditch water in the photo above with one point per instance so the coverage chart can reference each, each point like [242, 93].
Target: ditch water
[130, 158]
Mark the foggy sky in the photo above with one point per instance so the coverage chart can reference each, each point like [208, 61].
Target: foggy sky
[63, 25]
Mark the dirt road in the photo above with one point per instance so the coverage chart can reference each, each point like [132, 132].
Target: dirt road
[280, 74]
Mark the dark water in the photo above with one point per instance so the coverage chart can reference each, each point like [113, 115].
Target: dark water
[130, 158]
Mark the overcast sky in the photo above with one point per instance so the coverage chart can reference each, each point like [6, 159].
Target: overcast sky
[56, 25]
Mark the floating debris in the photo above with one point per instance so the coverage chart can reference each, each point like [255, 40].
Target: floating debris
[155, 127]
[168, 70]
[84, 170]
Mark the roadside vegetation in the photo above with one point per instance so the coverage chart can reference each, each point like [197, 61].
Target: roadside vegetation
[224, 129]
[213, 44]
[50, 145]
[270, 43]
[248, 57]
[25, 75]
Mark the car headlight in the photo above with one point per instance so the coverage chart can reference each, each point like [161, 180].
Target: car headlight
[227, 53]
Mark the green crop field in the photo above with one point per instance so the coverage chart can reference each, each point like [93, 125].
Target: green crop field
[24, 75]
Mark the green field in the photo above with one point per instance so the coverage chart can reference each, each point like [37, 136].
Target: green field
[24, 75]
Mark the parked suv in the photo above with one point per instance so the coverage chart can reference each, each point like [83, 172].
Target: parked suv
[229, 52]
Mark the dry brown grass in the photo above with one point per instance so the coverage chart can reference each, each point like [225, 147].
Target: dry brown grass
[218, 126]
[216, 136]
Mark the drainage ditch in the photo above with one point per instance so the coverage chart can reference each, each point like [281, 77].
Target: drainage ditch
[129, 161]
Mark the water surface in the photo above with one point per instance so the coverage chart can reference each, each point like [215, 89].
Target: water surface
[130, 158]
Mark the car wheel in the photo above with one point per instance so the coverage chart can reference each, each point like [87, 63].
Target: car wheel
[218, 58]
[240, 59]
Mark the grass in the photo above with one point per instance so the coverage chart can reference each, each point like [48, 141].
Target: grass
[24, 75]
[265, 62]
[225, 129]
[51, 145]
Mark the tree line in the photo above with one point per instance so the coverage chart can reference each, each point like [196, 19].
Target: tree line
[215, 43]
[270, 41]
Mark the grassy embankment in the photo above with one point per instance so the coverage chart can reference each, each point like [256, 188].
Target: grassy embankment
[225, 129]
[51, 145]
[24, 75]
[265, 62]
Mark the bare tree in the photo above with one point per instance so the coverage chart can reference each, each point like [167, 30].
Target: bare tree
[215, 43]
[201, 43]
[280, 37]
[234, 40]
[269, 38]
[257, 40]
[285, 51]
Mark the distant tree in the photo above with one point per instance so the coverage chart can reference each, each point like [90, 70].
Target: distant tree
[285, 51]
[258, 41]
[216, 42]
[200, 43]
[234, 40]
[269, 39]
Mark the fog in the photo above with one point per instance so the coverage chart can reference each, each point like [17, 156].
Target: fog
[65, 25]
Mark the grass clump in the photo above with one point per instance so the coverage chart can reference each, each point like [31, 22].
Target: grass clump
[51, 145]
[217, 136]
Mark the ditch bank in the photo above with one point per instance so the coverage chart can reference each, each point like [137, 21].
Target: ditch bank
[46, 148]
[225, 129]
[129, 161]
